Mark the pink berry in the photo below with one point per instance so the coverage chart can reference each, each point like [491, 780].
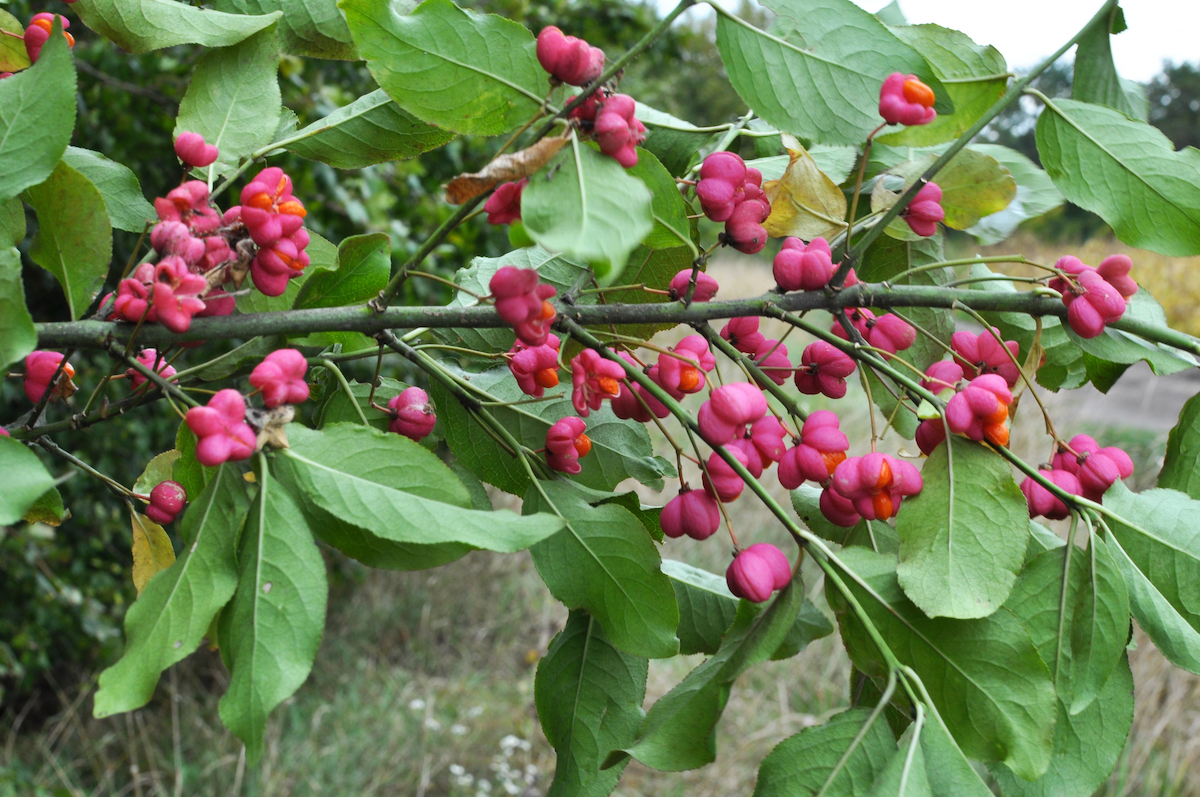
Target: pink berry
[192, 150]
[40, 367]
[738, 403]
[222, 431]
[801, 268]
[692, 512]
[930, 434]
[714, 429]
[983, 354]
[721, 185]
[980, 410]
[706, 286]
[743, 335]
[823, 370]
[1115, 271]
[925, 210]
[942, 375]
[744, 230]
[568, 59]
[280, 377]
[515, 292]
[593, 379]
[412, 414]
[767, 435]
[905, 100]
[722, 481]
[166, 501]
[1092, 304]
[1042, 502]
[618, 131]
[821, 449]
[148, 358]
[566, 443]
[876, 484]
[758, 571]
[269, 209]
[504, 205]
[772, 359]
[838, 510]
[535, 367]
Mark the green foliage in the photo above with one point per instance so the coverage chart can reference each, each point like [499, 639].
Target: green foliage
[1036, 195]
[127, 206]
[1126, 172]
[1181, 468]
[25, 480]
[270, 631]
[17, 334]
[74, 237]
[783, 72]
[453, 68]
[584, 205]
[138, 26]
[233, 99]
[313, 27]
[963, 539]
[1096, 79]
[172, 615]
[604, 561]
[805, 763]
[37, 114]
[589, 700]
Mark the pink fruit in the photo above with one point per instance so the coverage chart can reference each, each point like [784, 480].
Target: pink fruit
[504, 205]
[566, 443]
[980, 410]
[568, 59]
[412, 414]
[983, 354]
[744, 230]
[743, 335]
[738, 403]
[905, 100]
[721, 186]
[166, 501]
[223, 435]
[767, 435]
[618, 131]
[280, 377]
[269, 210]
[942, 375]
[706, 286]
[535, 367]
[692, 512]
[930, 434]
[772, 359]
[758, 571]
[192, 150]
[925, 210]
[1115, 271]
[821, 449]
[148, 358]
[721, 481]
[1042, 502]
[594, 379]
[40, 367]
[876, 484]
[801, 268]
[1092, 304]
[838, 510]
[823, 369]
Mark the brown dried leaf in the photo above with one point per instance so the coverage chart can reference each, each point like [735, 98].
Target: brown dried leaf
[805, 203]
[513, 166]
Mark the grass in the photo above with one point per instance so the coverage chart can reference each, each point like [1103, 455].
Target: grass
[424, 684]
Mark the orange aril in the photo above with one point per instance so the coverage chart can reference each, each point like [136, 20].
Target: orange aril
[689, 379]
[999, 416]
[918, 92]
[996, 433]
[583, 444]
[609, 385]
[882, 502]
[835, 458]
[547, 377]
[885, 478]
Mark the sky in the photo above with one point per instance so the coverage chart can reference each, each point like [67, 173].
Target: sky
[1025, 31]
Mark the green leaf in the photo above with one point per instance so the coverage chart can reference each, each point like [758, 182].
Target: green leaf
[604, 561]
[973, 185]
[1126, 172]
[785, 73]
[271, 630]
[707, 608]
[1086, 745]
[1181, 468]
[680, 730]
[37, 117]
[586, 206]
[139, 26]
[677, 144]
[166, 623]
[802, 764]
[47, 509]
[667, 206]
[1158, 553]
[1099, 626]
[370, 130]
[313, 28]
[158, 470]
[1095, 75]
[12, 222]
[74, 237]
[233, 99]
[25, 480]
[904, 775]
[127, 206]
[589, 700]
[187, 470]
[950, 773]
[963, 538]
[398, 491]
[467, 72]
[974, 77]
[240, 359]
[835, 161]
[1109, 354]
[1063, 366]
[364, 263]
[987, 681]
[620, 449]
[18, 337]
[1036, 195]
[13, 55]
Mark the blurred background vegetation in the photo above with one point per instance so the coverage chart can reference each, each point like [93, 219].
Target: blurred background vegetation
[411, 645]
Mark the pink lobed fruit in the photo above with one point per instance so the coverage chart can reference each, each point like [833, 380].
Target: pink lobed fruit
[758, 571]
[412, 414]
[568, 59]
[192, 150]
[148, 358]
[823, 370]
[905, 100]
[618, 131]
[721, 481]
[1043, 502]
[980, 410]
[742, 333]
[166, 501]
[876, 484]
[280, 377]
[983, 354]
[223, 434]
[706, 286]
[40, 367]
[566, 442]
[822, 448]
[925, 210]
[692, 512]
[803, 268]
[504, 205]
[593, 379]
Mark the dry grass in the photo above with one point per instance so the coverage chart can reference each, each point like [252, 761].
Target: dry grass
[424, 683]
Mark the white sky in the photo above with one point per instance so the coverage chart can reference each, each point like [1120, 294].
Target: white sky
[1025, 31]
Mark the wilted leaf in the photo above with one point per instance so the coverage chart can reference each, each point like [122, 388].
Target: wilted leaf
[804, 202]
[511, 166]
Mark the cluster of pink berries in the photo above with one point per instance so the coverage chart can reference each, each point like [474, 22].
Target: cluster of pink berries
[1081, 467]
[731, 192]
[196, 245]
[1094, 296]
[523, 301]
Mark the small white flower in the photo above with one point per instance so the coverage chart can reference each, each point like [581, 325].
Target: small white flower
[474, 712]
[457, 769]
[458, 729]
[416, 704]
[432, 724]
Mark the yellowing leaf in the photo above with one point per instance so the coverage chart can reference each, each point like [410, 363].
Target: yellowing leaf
[152, 551]
[804, 202]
